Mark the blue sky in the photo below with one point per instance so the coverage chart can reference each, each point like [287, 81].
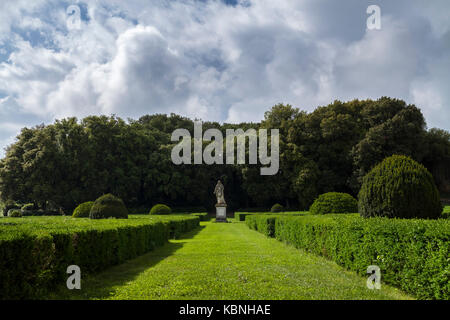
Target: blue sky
[223, 61]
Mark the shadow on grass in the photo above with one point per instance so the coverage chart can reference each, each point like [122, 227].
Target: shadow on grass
[101, 285]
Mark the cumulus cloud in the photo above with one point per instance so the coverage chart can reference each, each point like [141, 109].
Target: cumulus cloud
[210, 60]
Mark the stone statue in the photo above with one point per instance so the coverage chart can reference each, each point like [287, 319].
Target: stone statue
[218, 191]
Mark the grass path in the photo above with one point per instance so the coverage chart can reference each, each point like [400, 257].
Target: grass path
[227, 261]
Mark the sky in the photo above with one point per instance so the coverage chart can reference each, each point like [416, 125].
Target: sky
[226, 61]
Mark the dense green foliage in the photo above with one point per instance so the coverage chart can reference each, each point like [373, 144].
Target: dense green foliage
[108, 206]
[188, 209]
[412, 254]
[330, 149]
[277, 208]
[160, 209]
[35, 252]
[83, 210]
[334, 202]
[399, 187]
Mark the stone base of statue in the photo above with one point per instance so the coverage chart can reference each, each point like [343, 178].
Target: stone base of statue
[221, 212]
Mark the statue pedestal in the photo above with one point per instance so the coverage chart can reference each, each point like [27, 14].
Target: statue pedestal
[221, 213]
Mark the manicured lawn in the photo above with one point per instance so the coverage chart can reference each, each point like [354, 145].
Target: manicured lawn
[227, 261]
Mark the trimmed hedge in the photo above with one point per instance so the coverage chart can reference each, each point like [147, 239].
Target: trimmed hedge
[203, 216]
[35, 252]
[241, 216]
[264, 224]
[160, 209]
[83, 210]
[334, 202]
[413, 255]
[446, 212]
[108, 206]
[399, 187]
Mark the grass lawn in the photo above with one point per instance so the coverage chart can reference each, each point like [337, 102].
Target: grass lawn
[227, 261]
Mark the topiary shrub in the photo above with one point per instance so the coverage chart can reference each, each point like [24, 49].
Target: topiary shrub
[399, 187]
[14, 213]
[334, 202]
[83, 210]
[108, 206]
[277, 208]
[160, 209]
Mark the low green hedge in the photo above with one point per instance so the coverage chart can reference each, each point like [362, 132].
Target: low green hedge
[202, 215]
[241, 216]
[446, 212]
[262, 223]
[36, 251]
[412, 254]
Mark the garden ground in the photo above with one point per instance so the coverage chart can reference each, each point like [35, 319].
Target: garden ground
[227, 261]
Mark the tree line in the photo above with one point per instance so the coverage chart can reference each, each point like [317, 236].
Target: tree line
[330, 149]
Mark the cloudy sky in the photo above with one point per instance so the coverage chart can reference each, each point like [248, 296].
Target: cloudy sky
[216, 60]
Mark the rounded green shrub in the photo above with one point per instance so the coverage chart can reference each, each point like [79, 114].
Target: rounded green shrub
[14, 213]
[277, 208]
[399, 187]
[160, 209]
[108, 206]
[83, 210]
[334, 202]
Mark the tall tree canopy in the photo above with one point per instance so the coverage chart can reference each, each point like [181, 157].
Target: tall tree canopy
[329, 149]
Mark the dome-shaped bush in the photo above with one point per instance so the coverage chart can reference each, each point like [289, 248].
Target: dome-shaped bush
[277, 208]
[108, 206]
[399, 187]
[14, 213]
[160, 209]
[334, 202]
[83, 210]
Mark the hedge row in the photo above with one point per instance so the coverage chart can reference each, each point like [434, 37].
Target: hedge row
[35, 252]
[446, 212]
[413, 255]
[241, 216]
[203, 216]
[262, 223]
